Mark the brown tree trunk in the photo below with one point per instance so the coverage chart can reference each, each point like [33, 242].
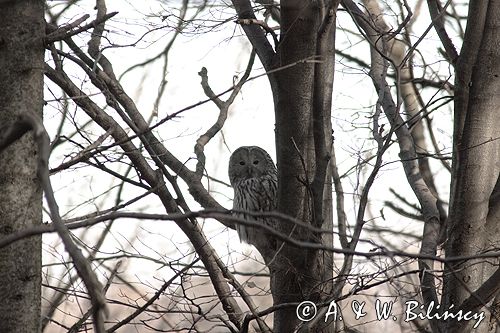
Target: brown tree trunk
[303, 141]
[301, 71]
[21, 90]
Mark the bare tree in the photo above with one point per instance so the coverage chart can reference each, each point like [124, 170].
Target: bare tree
[474, 203]
[378, 239]
[301, 67]
[21, 99]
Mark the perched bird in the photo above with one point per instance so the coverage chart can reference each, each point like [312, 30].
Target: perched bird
[254, 179]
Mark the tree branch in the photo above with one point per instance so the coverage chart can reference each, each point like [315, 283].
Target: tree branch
[223, 110]
[160, 155]
[321, 109]
[150, 301]
[255, 33]
[379, 67]
[82, 266]
[62, 32]
[263, 24]
[339, 194]
[488, 290]
[10, 133]
[437, 16]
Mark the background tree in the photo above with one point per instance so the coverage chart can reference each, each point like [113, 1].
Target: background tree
[387, 161]
[21, 100]
[475, 203]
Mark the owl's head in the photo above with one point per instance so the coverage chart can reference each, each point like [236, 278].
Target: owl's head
[250, 162]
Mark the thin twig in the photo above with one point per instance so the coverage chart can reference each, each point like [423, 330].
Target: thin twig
[60, 33]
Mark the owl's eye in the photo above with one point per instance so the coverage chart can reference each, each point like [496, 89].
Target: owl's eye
[242, 163]
[256, 162]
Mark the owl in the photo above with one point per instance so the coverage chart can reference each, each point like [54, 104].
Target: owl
[254, 179]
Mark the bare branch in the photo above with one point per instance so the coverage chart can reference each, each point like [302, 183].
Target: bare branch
[407, 150]
[272, 9]
[436, 12]
[223, 110]
[160, 155]
[10, 133]
[255, 33]
[150, 301]
[83, 155]
[263, 24]
[339, 194]
[82, 266]
[323, 82]
[62, 32]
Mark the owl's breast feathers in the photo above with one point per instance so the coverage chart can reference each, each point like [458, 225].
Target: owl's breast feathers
[256, 194]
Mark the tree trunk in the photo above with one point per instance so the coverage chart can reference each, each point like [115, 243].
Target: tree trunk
[302, 99]
[475, 204]
[21, 90]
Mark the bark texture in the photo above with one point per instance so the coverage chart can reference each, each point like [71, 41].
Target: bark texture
[303, 141]
[474, 211]
[301, 70]
[21, 91]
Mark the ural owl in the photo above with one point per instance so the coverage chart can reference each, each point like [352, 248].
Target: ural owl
[254, 179]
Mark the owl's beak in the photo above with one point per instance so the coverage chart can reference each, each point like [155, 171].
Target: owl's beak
[249, 172]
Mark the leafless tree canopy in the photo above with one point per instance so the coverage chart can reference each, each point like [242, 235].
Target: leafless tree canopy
[117, 122]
